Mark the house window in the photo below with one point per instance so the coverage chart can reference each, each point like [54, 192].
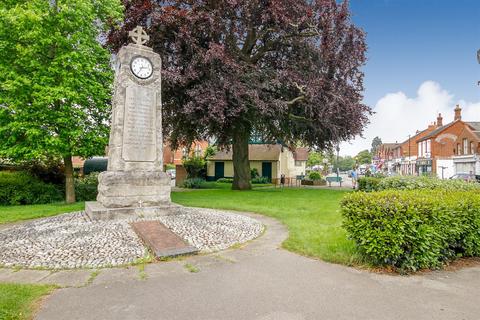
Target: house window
[420, 149]
[198, 151]
[465, 146]
[472, 147]
[298, 163]
[458, 149]
[428, 147]
[424, 148]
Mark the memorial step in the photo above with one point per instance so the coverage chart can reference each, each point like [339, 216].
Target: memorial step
[161, 240]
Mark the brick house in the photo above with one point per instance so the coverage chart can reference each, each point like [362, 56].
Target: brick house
[175, 157]
[385, 156]
[449, 148]
[406, 153]
[439, 149]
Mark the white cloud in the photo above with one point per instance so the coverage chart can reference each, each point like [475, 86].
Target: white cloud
[396, 115]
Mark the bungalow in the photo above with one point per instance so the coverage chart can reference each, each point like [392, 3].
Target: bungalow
[270, 160]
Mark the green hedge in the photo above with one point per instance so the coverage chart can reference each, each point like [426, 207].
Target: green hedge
[414, 183]
[369, 184]
[21, 188]
[225, 180]
[86, 187]
[412, 230]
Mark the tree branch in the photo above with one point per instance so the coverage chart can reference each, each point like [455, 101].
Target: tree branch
[299, 98]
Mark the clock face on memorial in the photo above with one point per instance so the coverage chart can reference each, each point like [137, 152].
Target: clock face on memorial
[141, 67]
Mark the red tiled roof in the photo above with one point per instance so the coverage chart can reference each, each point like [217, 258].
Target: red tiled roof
[300, 154]
[255, 152]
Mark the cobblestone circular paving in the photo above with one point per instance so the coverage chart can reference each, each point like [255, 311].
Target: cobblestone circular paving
[73, 241]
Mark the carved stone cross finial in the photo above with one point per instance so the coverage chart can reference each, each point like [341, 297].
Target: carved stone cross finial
[139, 36]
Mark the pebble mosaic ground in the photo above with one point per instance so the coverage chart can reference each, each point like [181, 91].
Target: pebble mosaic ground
[73, 241]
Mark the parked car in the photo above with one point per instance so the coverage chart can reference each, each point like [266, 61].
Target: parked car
[466, 177]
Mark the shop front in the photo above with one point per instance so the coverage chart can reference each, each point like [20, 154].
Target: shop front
[467, 164]
[424, 167]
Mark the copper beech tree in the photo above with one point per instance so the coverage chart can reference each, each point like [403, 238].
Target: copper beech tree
[286, 70]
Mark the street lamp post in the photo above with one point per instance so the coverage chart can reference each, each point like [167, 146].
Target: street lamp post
[338, 151]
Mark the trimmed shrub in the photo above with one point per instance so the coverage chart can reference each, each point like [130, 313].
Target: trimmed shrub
[86, 187]
[193, 183]
[21, 188]
[195, 167]
[412, 230]
[225, 180]
[314, 175]
[369, 184]
[424, 182]
[260, 180]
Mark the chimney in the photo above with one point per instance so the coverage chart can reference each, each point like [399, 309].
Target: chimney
[458, 113]
[439, 120]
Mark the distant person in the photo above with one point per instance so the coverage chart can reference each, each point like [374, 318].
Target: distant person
[354, 178]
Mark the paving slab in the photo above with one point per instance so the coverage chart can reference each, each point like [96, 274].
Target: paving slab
[111, 276]
[164, 268]
[5, 272]
[25, 276]
[70, 278]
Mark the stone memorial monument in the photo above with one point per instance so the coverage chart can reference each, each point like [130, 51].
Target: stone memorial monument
[134, 183]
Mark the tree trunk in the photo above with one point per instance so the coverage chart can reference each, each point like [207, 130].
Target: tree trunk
[69, 184]
[241, 165]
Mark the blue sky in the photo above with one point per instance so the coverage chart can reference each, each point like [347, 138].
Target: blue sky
[414, 41]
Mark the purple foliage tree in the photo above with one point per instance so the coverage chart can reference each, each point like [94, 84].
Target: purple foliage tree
[286, 70]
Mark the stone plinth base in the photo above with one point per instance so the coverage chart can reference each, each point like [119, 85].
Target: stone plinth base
[97, 212]
[123, 189]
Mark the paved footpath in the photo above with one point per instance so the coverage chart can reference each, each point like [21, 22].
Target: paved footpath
[258, 281]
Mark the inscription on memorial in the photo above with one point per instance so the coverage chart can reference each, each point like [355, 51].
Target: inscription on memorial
[139, 128]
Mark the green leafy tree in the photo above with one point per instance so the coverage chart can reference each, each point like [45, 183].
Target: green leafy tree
[344, 163]
[376, 143]
[55, 79]
[364, 157]
[315, 158]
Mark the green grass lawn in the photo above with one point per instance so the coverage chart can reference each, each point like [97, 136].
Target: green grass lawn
[17, 213]
[311, 215]
[18, 301]
[228, 186]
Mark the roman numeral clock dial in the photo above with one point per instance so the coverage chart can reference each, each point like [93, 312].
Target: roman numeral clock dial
[141, 67]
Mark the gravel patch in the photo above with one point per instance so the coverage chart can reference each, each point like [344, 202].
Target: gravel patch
[73, 241]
